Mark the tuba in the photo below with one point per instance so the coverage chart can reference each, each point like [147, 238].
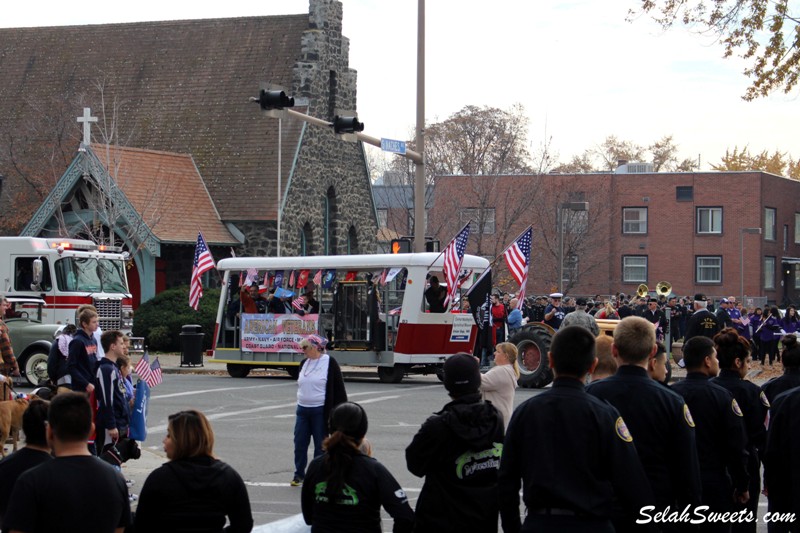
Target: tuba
[664, 288]
[642, 291]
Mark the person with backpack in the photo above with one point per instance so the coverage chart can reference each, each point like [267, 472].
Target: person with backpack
[57, 359]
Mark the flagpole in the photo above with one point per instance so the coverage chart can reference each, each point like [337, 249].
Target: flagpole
[509, 246]
[219, 276]
[451, 240]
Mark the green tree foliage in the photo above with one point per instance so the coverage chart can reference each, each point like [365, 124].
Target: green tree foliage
[778, 163]
[160, 319]
[762, 32]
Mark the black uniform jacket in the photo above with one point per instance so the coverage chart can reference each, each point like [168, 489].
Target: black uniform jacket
[702, 323]
[720, 432]
[781, 469]
[789, 380]
[572, 452]
[660, 423]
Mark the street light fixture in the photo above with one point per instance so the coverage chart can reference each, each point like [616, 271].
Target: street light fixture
[570, 206]
[742, 231]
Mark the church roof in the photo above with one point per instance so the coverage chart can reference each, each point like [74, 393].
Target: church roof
[181, 86]
[167, 191]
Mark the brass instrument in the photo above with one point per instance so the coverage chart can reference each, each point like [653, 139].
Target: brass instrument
[664, 288]
[642, 291]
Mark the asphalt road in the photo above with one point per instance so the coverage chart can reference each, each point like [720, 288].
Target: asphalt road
[253, 419]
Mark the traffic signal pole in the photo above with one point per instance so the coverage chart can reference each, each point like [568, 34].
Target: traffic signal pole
[419, 174]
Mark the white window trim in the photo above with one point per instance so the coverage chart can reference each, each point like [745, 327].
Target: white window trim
[697, 269]
[625, 266]
[709, 216]
[641, 223]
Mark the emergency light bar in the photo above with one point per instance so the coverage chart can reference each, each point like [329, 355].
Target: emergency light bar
[86, 246]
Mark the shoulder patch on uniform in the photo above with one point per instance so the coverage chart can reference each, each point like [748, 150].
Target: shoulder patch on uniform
[735, 406]
[622, 430]
[764, 399]
[687, 415]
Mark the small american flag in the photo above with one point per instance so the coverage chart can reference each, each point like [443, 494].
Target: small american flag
[453, 257]
[155, 377]
[517, 257]
[299, 302]
[203, 262]
[143, 367]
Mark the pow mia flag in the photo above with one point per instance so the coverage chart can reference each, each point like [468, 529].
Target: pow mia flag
[480, 305]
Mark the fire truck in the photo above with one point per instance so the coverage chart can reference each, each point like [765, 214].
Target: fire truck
[67, 273]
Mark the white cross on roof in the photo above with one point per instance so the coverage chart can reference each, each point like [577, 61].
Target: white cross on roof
[86, 119]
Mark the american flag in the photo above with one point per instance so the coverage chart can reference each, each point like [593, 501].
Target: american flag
[203, 262]
[299, 302]
[155, 377]
[453, 257]
[143, 367]
[517, 257]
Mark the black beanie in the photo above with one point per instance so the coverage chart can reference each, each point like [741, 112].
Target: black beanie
[349, 418]
[461, 374]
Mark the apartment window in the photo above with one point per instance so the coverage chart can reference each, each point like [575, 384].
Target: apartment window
[709, 269]
[769, 272]
[769, 223]
[634, 268]
[634, 220]
[797, 228]
[474, 214]
[684, 193]
[383, 218]
[709, 220]
[796, 277]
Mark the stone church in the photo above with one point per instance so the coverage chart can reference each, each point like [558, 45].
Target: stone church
[182, 88]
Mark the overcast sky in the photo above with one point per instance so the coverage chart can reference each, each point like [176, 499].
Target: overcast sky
[580, 70]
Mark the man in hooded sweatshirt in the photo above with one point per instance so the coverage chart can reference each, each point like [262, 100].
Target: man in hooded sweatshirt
[458, 452]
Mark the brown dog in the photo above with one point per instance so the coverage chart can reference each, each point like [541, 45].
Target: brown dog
[11, 421]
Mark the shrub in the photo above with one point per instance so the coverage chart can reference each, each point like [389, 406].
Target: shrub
[160, 320]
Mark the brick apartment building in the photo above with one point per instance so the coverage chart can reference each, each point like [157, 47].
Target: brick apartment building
[689, 229]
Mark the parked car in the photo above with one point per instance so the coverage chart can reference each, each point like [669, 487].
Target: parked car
[30, 339]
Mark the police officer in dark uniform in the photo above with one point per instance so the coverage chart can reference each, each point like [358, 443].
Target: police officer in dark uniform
[571, 452]
[536, 311]
[780, 474]
[657, 417]
[702, 322]
[720, 433]
[790, 357]
[733, 353]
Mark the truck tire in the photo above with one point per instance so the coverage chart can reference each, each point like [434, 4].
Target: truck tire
[238, 371]
[35, 367]
[391, 374]
[533, 344]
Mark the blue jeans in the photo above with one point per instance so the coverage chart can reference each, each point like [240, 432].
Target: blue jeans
[310, 422]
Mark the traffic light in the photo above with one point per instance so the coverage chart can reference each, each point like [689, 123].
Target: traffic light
[347, 124]
[401, 246]
[274, 100]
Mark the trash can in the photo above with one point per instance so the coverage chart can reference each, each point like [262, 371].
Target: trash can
[191, 345]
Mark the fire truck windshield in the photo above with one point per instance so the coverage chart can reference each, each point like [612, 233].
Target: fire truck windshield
[84, 274]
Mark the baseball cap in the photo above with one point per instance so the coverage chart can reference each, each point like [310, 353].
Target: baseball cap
[462, 375]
